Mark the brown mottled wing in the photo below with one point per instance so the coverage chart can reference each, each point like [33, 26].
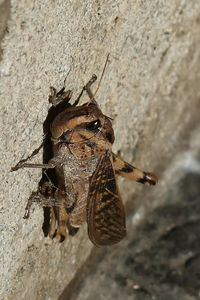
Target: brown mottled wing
[105, 210]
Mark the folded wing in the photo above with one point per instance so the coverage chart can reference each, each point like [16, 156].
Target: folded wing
[105, 210]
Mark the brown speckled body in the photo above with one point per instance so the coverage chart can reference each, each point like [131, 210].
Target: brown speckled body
[78, 181]
[73, 176]
[78, 151]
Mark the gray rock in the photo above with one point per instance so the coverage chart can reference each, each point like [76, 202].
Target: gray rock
[151, 89]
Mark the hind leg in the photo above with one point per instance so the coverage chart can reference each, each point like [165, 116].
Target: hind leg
[124, 169]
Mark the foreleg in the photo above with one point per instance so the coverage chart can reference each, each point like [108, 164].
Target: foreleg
[88, 90]
[56, 97]
[39, 198]
[22, 162]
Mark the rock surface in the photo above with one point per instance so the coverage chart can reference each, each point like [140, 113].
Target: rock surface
[151, 89]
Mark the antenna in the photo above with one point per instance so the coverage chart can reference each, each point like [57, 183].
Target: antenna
[104, 68]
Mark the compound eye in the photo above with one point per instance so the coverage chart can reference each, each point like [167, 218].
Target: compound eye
[94, 125]
[64, 137]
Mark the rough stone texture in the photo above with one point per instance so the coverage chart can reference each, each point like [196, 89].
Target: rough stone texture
[4, 17]
[151, 88]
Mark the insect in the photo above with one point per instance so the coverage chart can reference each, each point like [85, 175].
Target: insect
[79, 171]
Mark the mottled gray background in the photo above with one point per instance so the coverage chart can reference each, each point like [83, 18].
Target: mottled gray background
[151, 89]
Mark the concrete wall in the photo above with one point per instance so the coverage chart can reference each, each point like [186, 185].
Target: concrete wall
[150, 88]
